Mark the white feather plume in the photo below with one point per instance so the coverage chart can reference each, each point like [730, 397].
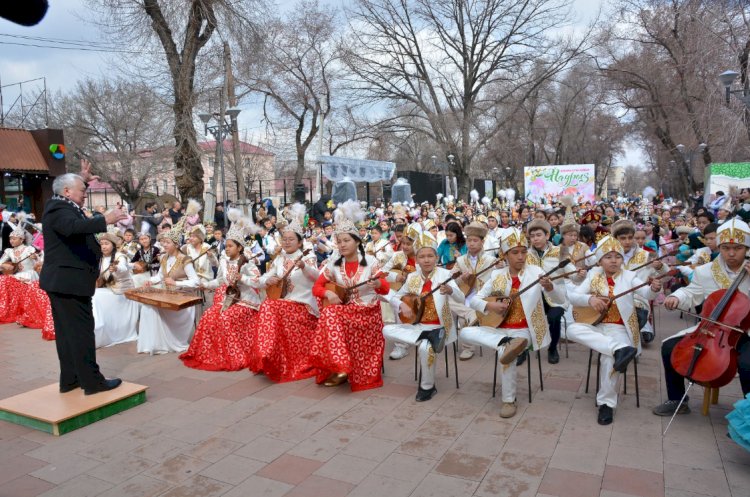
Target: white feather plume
[510, 194]
[234, 214]
[348, 210]
[379, 212]
[432, 215]
[439, 197]
[649, 193]
[415, 213]
[193, 207]
[568, 200]
[297, 212]
[486, 200]
[501, 194]
[474, 196]
[449, 199]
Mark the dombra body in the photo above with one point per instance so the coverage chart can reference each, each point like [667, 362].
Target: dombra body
[279, 290]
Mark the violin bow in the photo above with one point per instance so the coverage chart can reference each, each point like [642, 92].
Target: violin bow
[559, 266]
[709, 320]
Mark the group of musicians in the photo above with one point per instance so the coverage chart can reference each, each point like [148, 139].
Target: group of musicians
[285, 313]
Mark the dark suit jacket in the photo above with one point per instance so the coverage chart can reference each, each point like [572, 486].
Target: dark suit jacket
[6, 230]
[71, 251]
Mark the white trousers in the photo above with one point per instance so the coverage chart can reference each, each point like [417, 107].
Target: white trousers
[484, 336]
[466, 315]
[409, 334]
[605, 339]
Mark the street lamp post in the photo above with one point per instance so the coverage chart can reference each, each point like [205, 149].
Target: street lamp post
[220, 130]
[727, 78]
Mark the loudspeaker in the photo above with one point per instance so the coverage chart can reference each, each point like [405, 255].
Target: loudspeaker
[299, 192]
[386, 192]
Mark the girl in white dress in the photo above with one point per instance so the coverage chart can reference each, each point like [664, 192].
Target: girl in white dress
[115, 316]
[163, 330]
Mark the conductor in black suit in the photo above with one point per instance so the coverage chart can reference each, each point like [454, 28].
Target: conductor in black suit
[69, 274]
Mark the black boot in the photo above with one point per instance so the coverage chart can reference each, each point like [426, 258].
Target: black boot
[552, 356]
[623, 357]
[423, 395]
[605, 415]
[436, 338]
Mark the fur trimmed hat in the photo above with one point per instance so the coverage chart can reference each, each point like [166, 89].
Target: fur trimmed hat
[538, 224]
[621, 227]
[476, 229]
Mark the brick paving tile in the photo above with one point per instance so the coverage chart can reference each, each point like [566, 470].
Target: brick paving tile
[405, 467]
[66, 468]
[508, 485]
[347, 468]
[705, 481]
[290, 469]
[160, 448]
[257, 486]
[687, 455]
[463, 465]
[633, 481]
[319, 447]
[632, 457]
[233, 469]
[264, 449]
[198, 486]
[435, 485]
[375, 449]
[579, 457]
[316, 486]
[381, 485]
[177, 469]
[25, 486]
[80, 486]
[140, 485]
[122, 468]
[425, 445]
[18, 465]
[563, 483]
[212, 449]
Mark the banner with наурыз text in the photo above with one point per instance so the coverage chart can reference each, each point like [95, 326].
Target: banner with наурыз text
[548, 183]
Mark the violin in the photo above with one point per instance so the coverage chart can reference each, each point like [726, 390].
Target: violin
[709, 355]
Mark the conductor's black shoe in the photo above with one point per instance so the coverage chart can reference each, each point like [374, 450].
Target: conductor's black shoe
[647, 336]
[669, 407]
[605, 415]
[69, 387]
[437, 339]
[623, 357]
[423, 395]
[106, 385]
[522, 358]
[552, 356]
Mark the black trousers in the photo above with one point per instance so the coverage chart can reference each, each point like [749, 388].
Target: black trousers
[554, 320]
[74, 337]
[676, 383]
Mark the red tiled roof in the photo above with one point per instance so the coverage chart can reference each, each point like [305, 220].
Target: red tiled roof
[245, 148]
[19, 152]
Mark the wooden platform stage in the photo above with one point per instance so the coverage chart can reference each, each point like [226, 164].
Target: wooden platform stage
[47, 409]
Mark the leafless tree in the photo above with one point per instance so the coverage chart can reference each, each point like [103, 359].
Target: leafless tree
[294, 72]
[176, 32]
[121, 126]
[450, 65]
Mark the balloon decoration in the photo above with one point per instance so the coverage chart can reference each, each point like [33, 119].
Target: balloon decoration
[57, 150]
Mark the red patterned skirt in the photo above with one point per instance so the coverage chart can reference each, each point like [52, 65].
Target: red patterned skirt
[281, 345]
[223, 340]
[35, 308]
[349, 339]
[12, 297]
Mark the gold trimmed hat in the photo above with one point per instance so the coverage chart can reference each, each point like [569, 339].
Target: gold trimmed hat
[413, 231]
[425, 240]
[512, 238]
[734, 230]
[606, 245]
[347, 216]
[198, 230]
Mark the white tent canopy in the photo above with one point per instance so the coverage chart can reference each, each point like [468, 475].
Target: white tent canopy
[338, 168]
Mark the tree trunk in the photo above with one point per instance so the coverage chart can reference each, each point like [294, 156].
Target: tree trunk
[187, 157]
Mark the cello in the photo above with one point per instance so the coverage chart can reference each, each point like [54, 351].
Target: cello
[708, 355]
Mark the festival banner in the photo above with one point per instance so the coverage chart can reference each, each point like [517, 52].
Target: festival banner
[547, 183]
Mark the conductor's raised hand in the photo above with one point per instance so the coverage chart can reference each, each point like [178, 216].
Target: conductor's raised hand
[86, 172]
[115, 215]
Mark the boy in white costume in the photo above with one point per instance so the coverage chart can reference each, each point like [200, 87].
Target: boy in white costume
[525, 322]
[617, 337]
[437, 326]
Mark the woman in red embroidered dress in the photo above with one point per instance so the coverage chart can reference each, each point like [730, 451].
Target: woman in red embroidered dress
[223, 339]
[17, 263]
[348, 343]
[37, 313]
[285, 326]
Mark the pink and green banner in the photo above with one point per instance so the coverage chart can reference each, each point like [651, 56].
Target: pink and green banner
[548, 183]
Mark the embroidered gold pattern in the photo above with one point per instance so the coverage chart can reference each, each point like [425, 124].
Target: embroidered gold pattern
[720, 276]
[635, 330]
[539, 323]
[430, 356]
[430, 314]
[500, 284]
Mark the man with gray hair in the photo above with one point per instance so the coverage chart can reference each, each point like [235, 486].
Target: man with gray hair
[71, 266]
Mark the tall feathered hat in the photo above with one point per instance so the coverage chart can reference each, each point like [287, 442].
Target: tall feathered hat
[297, 219]
[346, 217]
[647, 205]
[569, 220]
[241, 227]
[728, 203]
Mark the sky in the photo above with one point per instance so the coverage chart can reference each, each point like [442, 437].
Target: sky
[76, 55]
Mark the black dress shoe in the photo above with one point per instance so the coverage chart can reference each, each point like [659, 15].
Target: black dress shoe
[623, 357]
[423, 395]
[69, 387]
[522, 358]
[605, 415]
[552, 356]
[647, 337]
[436, 338]
[104, 386]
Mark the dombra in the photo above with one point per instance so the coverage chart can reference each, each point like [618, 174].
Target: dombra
[280, 289]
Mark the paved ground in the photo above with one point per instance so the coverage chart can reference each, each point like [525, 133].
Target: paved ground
[237, 435]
